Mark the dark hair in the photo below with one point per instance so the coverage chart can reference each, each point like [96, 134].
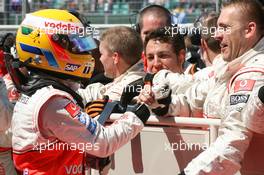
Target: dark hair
[160, 12]
[164, 36]
[7, 41]
[252, 9]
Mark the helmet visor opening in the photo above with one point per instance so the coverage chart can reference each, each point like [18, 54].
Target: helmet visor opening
[81, 44]
[75, 43]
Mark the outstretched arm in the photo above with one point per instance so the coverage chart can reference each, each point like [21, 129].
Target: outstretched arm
[64, 120]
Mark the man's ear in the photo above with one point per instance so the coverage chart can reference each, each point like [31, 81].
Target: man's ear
[251, 29]
[116, 57]
[181, 56]
[204, 44]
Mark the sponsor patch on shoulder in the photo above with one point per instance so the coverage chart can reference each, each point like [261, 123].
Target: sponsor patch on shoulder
[235, 99]
[72, 109]
[244, 85]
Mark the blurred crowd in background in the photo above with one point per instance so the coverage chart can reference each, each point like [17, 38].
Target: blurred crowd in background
[116, 11]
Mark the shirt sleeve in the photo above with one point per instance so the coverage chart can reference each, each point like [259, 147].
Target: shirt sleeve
[62, 119]
[225, 155]
[91, 92]
[178, 83]
[191, 102]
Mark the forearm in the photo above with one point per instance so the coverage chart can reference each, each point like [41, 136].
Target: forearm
[57, 120]
[104, 140]
[190, 103]
[179, 83]
[114, 136]
[179, 106]
[91, 92]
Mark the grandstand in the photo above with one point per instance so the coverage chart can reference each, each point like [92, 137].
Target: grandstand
[105, 11]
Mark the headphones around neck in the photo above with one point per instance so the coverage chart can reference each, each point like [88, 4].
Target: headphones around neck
[141, 12]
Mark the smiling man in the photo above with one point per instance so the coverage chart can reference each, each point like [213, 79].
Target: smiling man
[164, 51]
[229, 94]
[120, 49]
[241, 28]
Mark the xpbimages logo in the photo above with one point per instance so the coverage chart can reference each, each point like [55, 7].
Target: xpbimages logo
[81, 147]
[185, 146]
[190, 30]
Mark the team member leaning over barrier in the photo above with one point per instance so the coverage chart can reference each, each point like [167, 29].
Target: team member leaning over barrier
[228, 95]
[120, 49]
[163, 58]
[51, 133]
[165, 52]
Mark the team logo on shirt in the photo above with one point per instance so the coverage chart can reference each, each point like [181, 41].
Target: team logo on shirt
[72, 109]
[244, 85]
[13, 94]
[235, 99]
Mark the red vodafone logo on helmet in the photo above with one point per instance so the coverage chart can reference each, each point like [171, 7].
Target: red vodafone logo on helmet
[61, 26]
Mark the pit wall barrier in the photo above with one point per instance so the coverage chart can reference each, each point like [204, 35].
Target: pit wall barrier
[167, 144]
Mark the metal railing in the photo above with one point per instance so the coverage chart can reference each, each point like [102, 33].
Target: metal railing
[211, 124]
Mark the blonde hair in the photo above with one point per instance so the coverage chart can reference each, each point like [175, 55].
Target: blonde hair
[125, 41]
